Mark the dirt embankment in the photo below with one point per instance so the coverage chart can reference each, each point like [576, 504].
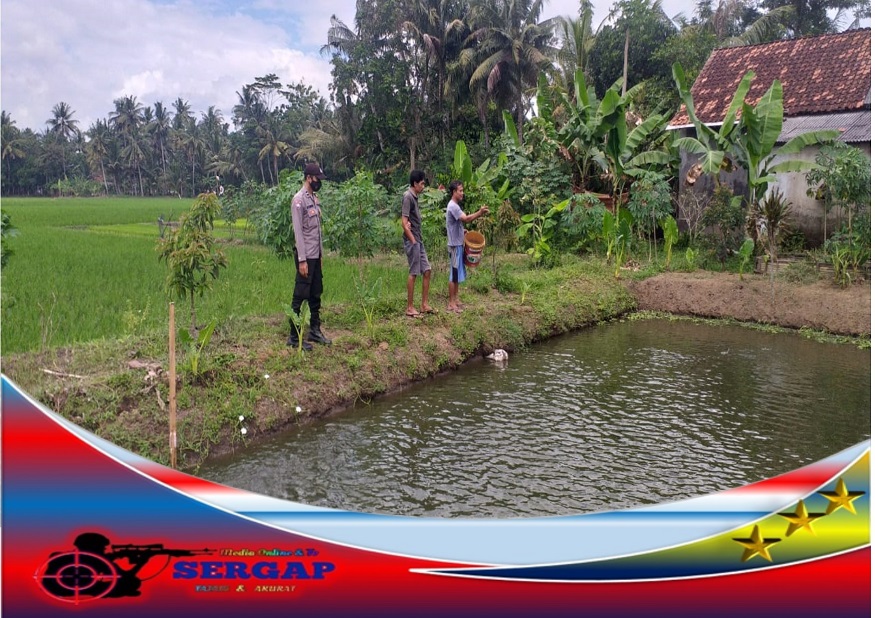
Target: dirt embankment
[757, 298]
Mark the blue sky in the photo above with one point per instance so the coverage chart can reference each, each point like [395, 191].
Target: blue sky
[88, 53]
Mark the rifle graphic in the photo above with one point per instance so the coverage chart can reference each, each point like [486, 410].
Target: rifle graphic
[156, 549]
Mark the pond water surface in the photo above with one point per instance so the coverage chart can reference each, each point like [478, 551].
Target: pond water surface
[620, 415]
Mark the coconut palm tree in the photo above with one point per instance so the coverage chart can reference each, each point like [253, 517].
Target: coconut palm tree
[273, 147]
[159, 132]
[231, 161]
[97, 148]
[439, 29]
[507, 49]
[183, 117]
[62, 126]
[191, 145]
[575, 40]
[127, 117]
[10, 142]
[213, 129]
[62, 122]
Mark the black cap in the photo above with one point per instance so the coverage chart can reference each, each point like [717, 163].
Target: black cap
[313, 169]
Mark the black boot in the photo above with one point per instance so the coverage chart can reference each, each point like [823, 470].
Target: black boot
[293, 339]
[315, 335]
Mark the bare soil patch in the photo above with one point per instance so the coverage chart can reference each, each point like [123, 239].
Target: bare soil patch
[759, 298]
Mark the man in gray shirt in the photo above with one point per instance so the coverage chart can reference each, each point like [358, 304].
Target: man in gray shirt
[307, 225]
[417, 260]
[456, 217]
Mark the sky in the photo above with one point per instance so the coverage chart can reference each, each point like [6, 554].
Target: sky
[87, 53]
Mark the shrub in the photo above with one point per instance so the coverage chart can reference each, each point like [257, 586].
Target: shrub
[350, 219]
[649, 203]
[725, 218]
[842, 179]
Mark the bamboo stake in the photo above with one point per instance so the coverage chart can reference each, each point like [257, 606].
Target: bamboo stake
[172, 370]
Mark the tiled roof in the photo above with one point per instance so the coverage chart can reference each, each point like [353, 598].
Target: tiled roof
[822, 74]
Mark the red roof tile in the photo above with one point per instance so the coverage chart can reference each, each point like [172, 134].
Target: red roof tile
[821, 74]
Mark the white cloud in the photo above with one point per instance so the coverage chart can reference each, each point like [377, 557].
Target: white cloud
[89, 52]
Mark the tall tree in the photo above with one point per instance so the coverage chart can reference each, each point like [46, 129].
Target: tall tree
[812, 17]
[159, 131]
[575, 41]
[509, 48]
[97, 148]
[63, 127]
[11, 144]
[438, 29]
[647, 28]
[183, 118]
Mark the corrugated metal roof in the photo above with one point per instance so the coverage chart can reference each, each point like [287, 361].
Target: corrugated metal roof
[855, 126]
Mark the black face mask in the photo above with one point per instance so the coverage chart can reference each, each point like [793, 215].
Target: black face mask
[315, 185]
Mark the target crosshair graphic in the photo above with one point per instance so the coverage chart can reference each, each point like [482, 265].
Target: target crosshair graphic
[77, 576]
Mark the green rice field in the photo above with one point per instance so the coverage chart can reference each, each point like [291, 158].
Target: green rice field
[85, 269]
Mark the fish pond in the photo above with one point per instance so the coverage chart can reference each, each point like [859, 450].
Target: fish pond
[620, 415]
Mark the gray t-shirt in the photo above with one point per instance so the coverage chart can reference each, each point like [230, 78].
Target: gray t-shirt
[410, 209]
[455, 229]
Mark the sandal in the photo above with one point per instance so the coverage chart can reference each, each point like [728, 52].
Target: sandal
[415, 314]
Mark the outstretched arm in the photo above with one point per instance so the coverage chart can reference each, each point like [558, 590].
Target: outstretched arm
[474, 215]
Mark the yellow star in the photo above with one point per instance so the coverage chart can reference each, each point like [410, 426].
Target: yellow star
[801, 519]
[841, 498]
[756, 545]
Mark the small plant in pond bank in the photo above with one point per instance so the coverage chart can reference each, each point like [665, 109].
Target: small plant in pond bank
[526, 286]
[194, 348]
[191, 253]
[745, 252]
[368, 297]
[134, 319]
[691, 257]
[670, 233]
[767, 222]
[538, 228]
[300, 323]
[617, 235]
[849, 250]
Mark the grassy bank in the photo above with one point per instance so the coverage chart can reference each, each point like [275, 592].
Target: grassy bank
[247, 370]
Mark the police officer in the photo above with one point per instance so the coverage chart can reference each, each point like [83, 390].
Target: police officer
[307, 224]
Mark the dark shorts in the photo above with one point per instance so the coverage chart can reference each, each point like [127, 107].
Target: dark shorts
[417, 260]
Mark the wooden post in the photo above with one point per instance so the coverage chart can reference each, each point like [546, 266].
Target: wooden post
[172, 370]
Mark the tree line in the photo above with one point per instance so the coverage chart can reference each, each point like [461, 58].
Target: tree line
[409, 79]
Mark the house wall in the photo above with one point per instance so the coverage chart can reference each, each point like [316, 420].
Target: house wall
[807, 212]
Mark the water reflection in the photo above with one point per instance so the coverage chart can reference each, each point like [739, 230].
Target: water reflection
[612, 417]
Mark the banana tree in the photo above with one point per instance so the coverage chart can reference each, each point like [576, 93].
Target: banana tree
[747, 136]
[710, 145]
[479, 181]
[621, 147]
[588, 123]
[754, 145]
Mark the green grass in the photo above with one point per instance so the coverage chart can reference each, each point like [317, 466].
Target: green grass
[87, 269]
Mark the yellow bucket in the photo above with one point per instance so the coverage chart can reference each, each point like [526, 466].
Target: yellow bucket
[474, 243]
